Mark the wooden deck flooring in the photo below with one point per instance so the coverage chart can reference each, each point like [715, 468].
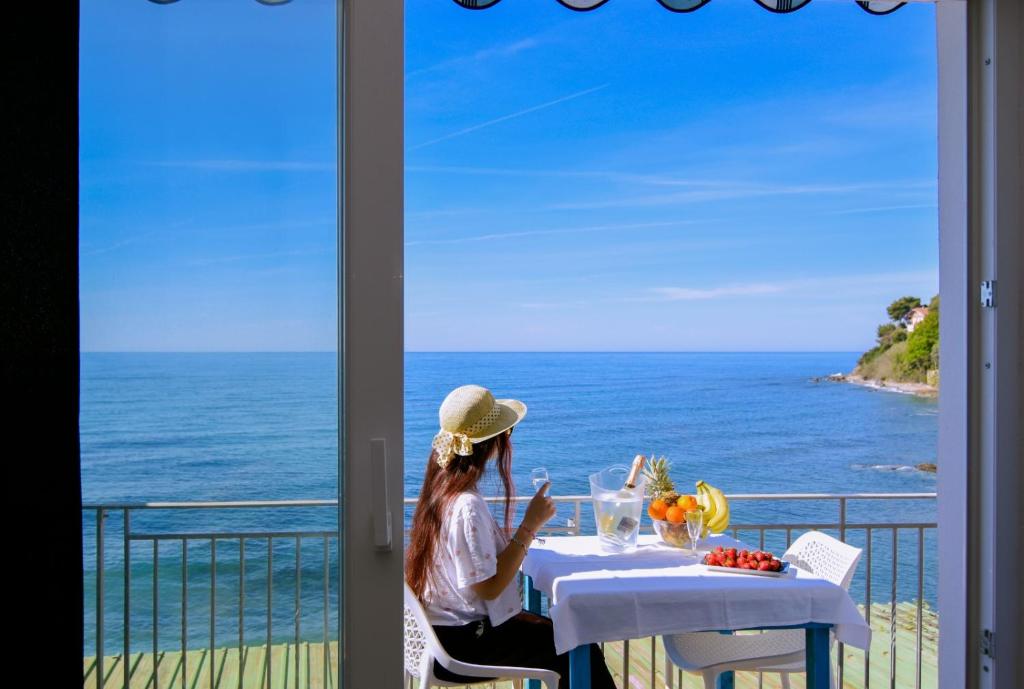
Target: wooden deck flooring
[302, 666]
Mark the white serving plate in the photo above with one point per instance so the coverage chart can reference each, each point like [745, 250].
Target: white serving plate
[755, 572]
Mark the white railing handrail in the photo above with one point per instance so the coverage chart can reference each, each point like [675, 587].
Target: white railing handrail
[215, 504]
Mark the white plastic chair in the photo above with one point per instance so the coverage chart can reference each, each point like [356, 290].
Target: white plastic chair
[781, 650]
[422, 648]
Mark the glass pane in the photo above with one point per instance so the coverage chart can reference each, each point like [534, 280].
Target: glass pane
[209, 312]
[665, 233]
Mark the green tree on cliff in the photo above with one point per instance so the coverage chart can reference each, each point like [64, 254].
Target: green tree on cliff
[899, 309]
[922, 346]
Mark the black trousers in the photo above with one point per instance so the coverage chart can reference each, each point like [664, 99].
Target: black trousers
[526, 640]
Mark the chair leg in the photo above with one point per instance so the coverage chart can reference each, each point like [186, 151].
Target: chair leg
[669, 673]
[785, 680]
[710, 676]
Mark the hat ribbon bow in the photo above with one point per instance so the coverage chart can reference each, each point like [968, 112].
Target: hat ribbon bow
[449, 444]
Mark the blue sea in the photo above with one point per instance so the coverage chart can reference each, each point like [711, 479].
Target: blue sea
[258, 426]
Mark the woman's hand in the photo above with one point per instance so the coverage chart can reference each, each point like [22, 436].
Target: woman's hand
[538, 512]
[540, 509]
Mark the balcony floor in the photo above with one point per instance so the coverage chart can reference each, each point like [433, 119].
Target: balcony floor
[309, 673]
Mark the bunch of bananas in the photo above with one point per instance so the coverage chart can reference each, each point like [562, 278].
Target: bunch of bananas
[716, 507]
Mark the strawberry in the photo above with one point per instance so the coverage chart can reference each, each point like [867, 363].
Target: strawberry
[745, 554]
[731, 552]
[719, 549]
[729, 562]
[765, 567]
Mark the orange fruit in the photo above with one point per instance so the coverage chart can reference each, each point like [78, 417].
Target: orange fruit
[687, 502]
[657, 509]
[675, 514]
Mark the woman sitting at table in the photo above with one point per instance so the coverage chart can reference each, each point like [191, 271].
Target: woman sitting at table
[462, 565]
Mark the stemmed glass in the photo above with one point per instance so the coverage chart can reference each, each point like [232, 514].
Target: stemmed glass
[694, 525]
[539, 477]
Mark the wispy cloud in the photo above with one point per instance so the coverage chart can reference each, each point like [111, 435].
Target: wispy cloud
[510, 116]
[832, 283]
[881, 209]
[544, 305]
[726, 192]
[557, 230]
[655, 179]
[175, 231]
[250, 165]
[237, 258]
[702, 293]
[482, 55]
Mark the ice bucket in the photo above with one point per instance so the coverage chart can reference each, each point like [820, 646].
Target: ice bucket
[617, 509]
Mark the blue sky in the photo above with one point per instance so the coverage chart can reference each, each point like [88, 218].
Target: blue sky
[624, 179]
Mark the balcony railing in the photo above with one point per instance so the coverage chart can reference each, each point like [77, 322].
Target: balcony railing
[243, 594]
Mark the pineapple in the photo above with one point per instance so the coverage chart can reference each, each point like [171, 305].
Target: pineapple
[660, 484]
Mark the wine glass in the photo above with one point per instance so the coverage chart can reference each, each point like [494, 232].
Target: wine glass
[539, 477]
[694, 525]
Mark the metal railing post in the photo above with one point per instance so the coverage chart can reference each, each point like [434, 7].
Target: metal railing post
[840, 647]
[241, 610]
[101, 679]
[156, 613]
[298, 604]
[892, 611]
[213, 608]
[867, 608]
[270, 609]
[184, 611]
[327, 577]
[126, 635]
[920, 604]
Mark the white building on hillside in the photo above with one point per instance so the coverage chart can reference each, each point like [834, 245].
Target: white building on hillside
[915, 316]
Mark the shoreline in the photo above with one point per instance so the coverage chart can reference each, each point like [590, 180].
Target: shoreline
[917, 389]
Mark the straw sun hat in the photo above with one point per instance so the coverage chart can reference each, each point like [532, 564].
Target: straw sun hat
[470, 414]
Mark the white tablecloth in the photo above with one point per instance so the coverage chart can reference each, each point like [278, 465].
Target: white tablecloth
[596, 596]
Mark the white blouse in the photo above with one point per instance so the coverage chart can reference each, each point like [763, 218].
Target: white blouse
[467, 554]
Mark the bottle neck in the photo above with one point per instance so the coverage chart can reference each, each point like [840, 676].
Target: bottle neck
[634, 472]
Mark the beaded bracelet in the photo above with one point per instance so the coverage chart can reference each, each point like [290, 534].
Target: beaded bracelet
[519, 543]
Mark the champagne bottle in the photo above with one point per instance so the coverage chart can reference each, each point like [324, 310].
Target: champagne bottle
[634, 472]
[625, 525]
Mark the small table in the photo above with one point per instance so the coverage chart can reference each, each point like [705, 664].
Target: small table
[656, 589]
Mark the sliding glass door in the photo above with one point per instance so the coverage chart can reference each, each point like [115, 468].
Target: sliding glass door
[241, 290]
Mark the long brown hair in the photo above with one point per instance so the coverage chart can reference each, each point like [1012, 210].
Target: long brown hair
[441, 485]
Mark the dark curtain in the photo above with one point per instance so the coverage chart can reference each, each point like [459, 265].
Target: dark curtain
[42, 599]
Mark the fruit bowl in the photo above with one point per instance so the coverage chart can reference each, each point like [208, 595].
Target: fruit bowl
[672, 533]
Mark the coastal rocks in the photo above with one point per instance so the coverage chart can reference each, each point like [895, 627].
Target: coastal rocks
[831, 378]
[919, 389]
[925, 467]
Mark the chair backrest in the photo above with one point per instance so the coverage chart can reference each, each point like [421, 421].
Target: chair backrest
[824, 556]
[421, 643]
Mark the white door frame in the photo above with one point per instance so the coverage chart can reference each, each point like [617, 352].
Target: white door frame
[981, 73]
[951, 46]
[371, 36]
